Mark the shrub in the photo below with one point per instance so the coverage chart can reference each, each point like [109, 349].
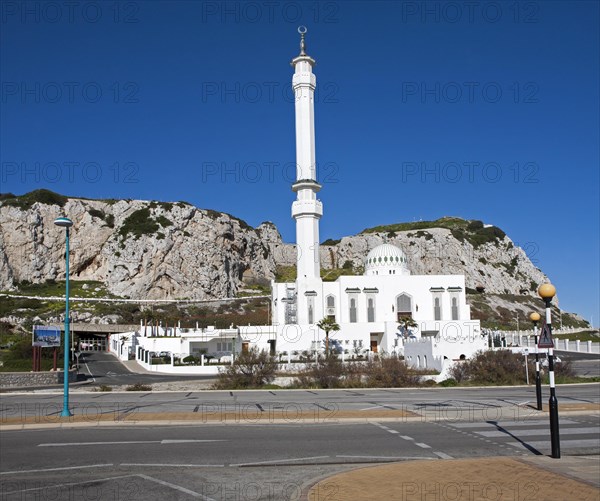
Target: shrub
[139, 387]
[139, 223]
[102, 387]
[42, 196]
[390, 372]
[326, 373]
[498, 367]
[449, 382]
[251, 369]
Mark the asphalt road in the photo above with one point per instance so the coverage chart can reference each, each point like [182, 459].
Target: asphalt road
[584, 364]
[104, 368]
[250, 462]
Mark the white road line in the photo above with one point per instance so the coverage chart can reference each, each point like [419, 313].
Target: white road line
[382, 457]
[543, 444]
[523, 422]
[422, 445]
[64, 468]
[542, 432]
[443, 455]
[392, 431]
[176, 487]
[406, 438]
[279, 461]
[73, 444]
[162, 465]
[70, 484]
[89, 371]
[184, 441]
[162, 442]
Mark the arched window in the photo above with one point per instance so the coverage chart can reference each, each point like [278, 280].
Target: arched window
[352, 310]
[454, 308]
[437, 308]
[330, 307]
[370, 310]
[311, 309]
[404, 305]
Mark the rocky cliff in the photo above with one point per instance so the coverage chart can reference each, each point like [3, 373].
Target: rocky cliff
[143, 249]
[139, 249]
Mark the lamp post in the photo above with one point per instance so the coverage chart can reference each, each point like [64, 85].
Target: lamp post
[535, 318]
[547, 292]
[66, 223]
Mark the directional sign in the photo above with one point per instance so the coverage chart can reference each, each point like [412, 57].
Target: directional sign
[546, 340]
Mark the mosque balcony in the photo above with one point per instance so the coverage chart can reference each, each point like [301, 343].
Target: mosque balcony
[306, 184]
[304, 79]
[307, 208]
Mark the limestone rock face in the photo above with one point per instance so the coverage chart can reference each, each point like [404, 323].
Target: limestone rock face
[499, 267]
[152, 250]
[139, 249]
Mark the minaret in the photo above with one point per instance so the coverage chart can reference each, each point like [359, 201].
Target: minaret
[306, 209]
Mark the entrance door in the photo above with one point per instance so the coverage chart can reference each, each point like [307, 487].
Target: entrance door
[374, 345]
[245, 347]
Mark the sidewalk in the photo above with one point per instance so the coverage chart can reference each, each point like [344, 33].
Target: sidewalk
[502, 478]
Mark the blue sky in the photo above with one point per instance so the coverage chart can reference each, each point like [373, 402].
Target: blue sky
[482, 110]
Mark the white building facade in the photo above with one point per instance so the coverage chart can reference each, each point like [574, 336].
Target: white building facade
[367, 308]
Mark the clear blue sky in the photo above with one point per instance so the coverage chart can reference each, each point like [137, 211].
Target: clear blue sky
[488, 111]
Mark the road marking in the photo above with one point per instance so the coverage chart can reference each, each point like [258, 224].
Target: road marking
[56, 469]
[70, 484]
[186, 441]
[406, 438]
[543, 444]
[176, 487]
[542, 432]
[276, 461]
[163, 465]
[523, 422]
[89, 371]
[383, 457]
[162, 442]
[443, 455]
[392, 431]
[422, 445]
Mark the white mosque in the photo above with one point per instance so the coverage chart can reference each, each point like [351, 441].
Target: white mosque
[367, 308]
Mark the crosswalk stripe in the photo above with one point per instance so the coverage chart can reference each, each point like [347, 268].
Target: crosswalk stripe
[504, 424]
[532, 433]
[564, 444]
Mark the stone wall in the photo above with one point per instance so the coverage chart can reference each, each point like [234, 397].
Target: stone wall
[33, 379]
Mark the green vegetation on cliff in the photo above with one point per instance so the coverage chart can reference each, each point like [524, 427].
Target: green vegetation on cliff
[474, 232]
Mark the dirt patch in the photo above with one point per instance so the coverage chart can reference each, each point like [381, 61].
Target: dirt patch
[501, 479]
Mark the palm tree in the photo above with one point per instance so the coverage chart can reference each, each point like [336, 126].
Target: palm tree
[328, 324]
[406, 323]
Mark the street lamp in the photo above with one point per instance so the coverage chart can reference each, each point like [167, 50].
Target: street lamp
[65, 222]
[535, 318]
[547, 292]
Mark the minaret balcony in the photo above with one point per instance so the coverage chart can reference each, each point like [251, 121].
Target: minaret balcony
[306, 184]
[304, 80]
[307, 208]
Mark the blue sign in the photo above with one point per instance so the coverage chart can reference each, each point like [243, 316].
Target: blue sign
[46, 337]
